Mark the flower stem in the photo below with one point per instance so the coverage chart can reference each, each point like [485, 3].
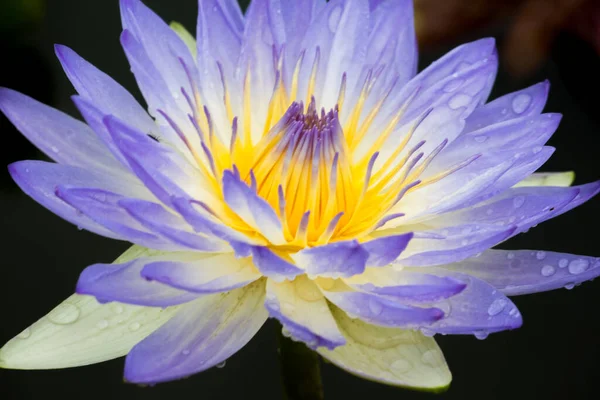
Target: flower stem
[300, 369]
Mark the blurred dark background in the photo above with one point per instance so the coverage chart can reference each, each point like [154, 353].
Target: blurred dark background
[553, 356]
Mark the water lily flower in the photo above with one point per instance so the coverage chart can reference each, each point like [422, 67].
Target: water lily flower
[291, 164]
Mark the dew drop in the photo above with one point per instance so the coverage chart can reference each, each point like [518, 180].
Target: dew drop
[548, 270]
[25, 334]
[221, 365]
[55, 149]
[375, 307]
[510, 256]
[334, 18]
[577, 267]
[481, 335]
[285, 333]
[521, 102]
[540, 255]
[504, 111]
[496, 307]
[430, 358]
[518, 201]
[569, 286]
[427, 332]
[481, 138]
[459, 100]
[117, 308]
[537, 149]
[186, 352]
[401, 365]
[102, 324]
[134, 326]
[563, 263]
[64, 314]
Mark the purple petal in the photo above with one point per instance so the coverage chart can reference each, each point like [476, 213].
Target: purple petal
[383, 250]
[273, 266]
[198, 274]
[333, 260]
[157, 219]
[526, 102]
[64, 139]
[522, 207]
[480, 309]
[103, 207]
[102, 91]
[124, 283]
[219, 36]
[252, 209]
[348, 47]
[515, 134]
[459, 242]
[381, 310]
[413, 287]
[39, 179]
[204, 222]
[162, 46]
[525, 271]
[202, 334]
[163, 170]
[303, 312]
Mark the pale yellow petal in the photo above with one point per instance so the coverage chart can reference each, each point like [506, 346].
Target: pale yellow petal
[387, 355]
[562, 179]
[80, 331]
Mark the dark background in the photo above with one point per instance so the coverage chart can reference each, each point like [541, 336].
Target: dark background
[553, 356]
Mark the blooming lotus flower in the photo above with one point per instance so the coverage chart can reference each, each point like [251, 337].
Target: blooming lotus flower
[292, 164]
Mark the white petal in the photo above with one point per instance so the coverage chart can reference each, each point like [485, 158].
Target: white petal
[81, 331]
[562, 179]
[388, 355]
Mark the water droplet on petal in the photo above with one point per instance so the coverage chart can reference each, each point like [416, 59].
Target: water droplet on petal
[504, 111]
[481, 335]
[55, 149]
[64, 314]
[548, 270]
[497, 306]
[430, 358]
[481, 138]
[563, 263]
[103, 324]
[537, 149]
[510, 256]
[375, 307]
[186, 352]
[427, 332]
[221, 365]
[117, 308]
[401, 365]
[569, 286]
[25, 334]
[577, 267]
[134, 326]
[459, 100]
[518, 201]
[521, 102]
[540, 255]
